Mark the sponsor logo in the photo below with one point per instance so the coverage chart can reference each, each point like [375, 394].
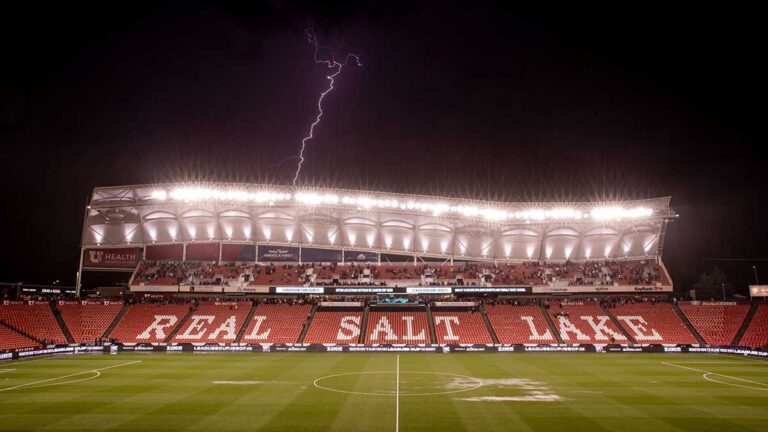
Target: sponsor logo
[299, 290]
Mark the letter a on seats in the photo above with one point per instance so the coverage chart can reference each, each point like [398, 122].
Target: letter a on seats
[601, 329]
[227, 326]
[566, 326]
[383, 327]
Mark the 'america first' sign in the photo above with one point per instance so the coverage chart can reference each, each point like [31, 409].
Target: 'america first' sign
[112, 258]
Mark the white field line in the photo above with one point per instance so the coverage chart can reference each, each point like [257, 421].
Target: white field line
[710, 362]
[706, 374]
[96, 371]
[6, 370]
[397, 396]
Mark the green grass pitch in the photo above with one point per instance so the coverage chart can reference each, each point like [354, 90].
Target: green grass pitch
[385, 392]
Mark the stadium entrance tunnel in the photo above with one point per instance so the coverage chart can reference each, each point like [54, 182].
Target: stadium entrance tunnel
[392, 383]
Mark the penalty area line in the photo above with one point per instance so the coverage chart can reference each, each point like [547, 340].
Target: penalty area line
[96, 371]
[706, 375]
[397, 395]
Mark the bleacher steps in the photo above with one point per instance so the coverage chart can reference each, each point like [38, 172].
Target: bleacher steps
[364, 325]
[618, 325]
[307, 323]
[745, 324]
[688, 324]
[488, 325]
[64, 330]
[248, 319]
[181, 323]
[552, 326]
[21, 332]
[431, 320]
[115, 322]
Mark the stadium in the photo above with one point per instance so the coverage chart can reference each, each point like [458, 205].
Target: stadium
[348, 216]
[348, 297]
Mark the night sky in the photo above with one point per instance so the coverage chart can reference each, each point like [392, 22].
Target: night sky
[479, 101]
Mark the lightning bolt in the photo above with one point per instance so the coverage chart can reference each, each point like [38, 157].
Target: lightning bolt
[334, 68]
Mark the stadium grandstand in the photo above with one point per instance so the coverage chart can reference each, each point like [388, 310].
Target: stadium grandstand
[267, 267]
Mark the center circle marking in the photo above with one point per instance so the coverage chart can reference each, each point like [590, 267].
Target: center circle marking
[475, 383]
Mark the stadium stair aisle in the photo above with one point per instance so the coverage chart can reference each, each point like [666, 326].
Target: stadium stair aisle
[11, 339]
[63, 326]
[34, 320]
[431, 321]
[307, 324]
[248, 319]
[512, 324]
[460, 327]
[488, 325]
[716, 323]
[551, 324]
[115, 322]
[581, 322]
[336, 326]
[276, 323]
[86, 321]
[364, 324]
[745, 325]
[618, 325]
[651, 322]
[149, 322]
[214, 322]
[182, 322]
[756, 335]
[688, 324]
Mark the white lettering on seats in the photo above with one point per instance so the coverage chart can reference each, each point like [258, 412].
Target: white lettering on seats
[255, 332]
[637, 324]
[198, 322]
[409, 326]
[601, 329]
[383, 326]
[351, 323]
[227, 326]
[566, 326]
[447, 320]
[534, 332]
[161, 323]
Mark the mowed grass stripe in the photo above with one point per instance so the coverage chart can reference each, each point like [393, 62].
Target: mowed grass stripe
[176, 392]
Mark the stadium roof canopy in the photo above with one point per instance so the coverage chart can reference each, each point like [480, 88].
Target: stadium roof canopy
[410, 225]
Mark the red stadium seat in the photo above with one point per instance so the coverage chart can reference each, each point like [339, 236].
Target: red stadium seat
[34, 318]
[87, 321]
[519, 324]
[653, 323]
[335, 327]
[584, 322]
[756, 335]
[10, 340]
[401, 327]
[276, 323]
[214, 322]
[716, 323]
[149, 323]
[460, 328]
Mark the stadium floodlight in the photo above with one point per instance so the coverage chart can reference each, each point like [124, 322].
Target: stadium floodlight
[366, 201]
